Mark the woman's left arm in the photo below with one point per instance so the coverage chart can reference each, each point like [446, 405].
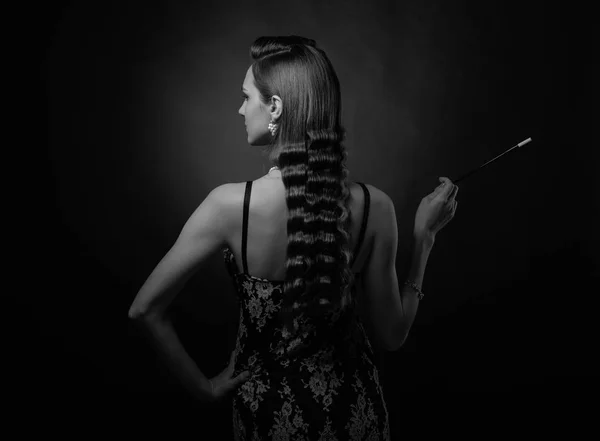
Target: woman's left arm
[179, 362]
[204, 233]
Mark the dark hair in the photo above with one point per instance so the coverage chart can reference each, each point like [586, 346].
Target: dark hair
[308, 149]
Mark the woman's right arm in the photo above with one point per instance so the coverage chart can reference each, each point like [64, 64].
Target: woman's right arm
[389, 311]
[422, 246]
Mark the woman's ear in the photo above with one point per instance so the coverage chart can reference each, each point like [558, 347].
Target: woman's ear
[276, 106]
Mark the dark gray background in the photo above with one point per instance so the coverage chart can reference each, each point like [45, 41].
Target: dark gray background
[140, 103]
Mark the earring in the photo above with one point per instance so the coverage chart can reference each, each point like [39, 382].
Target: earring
[272, 128]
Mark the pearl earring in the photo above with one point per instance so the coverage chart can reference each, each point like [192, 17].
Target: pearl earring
[272, 128]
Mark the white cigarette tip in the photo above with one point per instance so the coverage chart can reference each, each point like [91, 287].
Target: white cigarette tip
[522, 143]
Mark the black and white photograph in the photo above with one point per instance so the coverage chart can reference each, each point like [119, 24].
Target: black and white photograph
[302, 220]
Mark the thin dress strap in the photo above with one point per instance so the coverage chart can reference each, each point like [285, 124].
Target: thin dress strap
[365, 219]
[245, 224]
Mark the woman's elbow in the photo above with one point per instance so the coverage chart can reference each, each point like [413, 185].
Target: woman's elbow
[145, 314]
[138, 312]
[135, 313]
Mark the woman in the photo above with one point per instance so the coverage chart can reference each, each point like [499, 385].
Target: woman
[306, 238]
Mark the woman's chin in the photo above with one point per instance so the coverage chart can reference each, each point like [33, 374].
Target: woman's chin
[256, 142]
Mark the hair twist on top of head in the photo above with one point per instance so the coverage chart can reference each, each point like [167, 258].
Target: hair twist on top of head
[309, 152]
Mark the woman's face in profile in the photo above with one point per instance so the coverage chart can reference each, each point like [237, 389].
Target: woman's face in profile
[256, 114]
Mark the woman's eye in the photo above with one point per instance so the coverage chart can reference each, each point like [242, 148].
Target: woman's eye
[244, 97]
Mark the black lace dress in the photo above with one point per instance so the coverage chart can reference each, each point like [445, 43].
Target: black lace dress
[331, 393]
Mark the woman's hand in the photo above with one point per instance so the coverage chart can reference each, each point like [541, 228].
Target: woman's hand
[223, 385]
[436, 209]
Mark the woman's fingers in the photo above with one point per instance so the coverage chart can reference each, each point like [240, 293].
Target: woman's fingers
[450, 214]
[446, 191]
[454, 191]
[231, 360]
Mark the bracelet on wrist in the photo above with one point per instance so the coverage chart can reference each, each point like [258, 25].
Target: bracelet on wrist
[414, 286]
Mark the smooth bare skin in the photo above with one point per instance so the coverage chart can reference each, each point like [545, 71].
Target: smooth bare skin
[258, 115]
[389, 314]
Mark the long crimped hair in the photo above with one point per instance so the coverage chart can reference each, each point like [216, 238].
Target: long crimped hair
[307, 148]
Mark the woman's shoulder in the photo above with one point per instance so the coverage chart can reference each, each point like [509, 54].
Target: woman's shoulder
[376, 195]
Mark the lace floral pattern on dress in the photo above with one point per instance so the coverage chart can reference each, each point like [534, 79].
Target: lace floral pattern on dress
[333, 393]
